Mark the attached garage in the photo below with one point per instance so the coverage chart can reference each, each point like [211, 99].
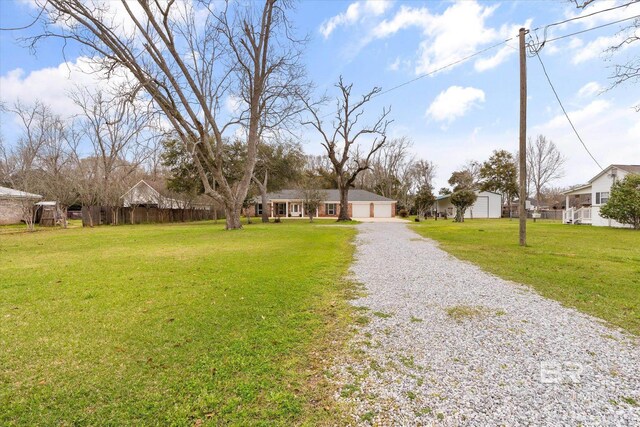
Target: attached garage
[360, 210]
[488, 205]
[381, 210]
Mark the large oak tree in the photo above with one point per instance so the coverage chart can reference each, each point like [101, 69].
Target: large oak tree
[193, 59]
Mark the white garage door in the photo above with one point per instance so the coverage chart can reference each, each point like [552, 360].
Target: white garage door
[480, 208]
[360, 211]
[381, 211]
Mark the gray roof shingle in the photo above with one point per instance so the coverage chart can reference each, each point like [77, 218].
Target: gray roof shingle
[333, 195]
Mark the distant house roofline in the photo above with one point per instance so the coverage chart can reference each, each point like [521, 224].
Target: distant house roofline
[10, 193]
[626, 168]
[332, 195]
[446, 196]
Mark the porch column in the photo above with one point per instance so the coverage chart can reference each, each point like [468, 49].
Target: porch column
[301, 209]
[286, 208]
[566, 203]
[270, 209]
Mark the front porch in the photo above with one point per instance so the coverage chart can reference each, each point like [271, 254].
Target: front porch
[285, 209]
[580, 212]
[577, 215]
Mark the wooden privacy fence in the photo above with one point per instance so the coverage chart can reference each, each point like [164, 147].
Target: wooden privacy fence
[105, 215]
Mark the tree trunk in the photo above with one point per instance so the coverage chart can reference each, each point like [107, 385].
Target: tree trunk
[344, 204]
[64, 217]
[265, 212]
[232, 217]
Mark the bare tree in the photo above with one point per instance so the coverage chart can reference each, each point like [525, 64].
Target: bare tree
[390, 173]
[544, 164]
[56, 161]
[424, 172]
[190, 58]
[116, 129]
[279, 164]
[341, 139]
[22, 168]
[319, 169]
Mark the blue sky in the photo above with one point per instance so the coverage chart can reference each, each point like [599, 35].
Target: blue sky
[459, 114]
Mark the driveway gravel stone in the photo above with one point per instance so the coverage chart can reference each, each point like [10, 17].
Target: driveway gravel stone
[440, 342]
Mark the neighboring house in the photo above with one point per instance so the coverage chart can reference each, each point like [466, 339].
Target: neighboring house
[488, 205]
[584, 201]
[14, 204]
[153, 195]
[362, 204]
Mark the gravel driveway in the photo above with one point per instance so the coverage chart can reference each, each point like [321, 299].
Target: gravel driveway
[441, 342]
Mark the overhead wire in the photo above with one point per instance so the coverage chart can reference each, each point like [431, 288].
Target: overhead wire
[588, 15]
[480, 52]
[544, 69]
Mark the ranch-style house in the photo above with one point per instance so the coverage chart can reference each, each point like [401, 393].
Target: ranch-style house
[362, 204]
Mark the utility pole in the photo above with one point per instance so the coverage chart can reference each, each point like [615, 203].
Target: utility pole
[523, 140]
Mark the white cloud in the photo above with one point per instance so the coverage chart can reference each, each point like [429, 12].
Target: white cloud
[50, 85]
[395, 65]
[484, 64]
[604, 17]
[405, 17]
[610, 132]
[446, 36]
[454, 102]
[355, 12]
[582, 116]
[595, 48]
[575, 43]
[590, 89]
[233, 104]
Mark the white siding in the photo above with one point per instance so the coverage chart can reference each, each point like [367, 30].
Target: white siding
[360, 210]
[381, 210]
[488, 205]
[603, 184]
[480, 208]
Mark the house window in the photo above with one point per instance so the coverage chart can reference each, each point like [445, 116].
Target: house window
[282, 208]
[602, 198]
[258, 208]
[330, 208]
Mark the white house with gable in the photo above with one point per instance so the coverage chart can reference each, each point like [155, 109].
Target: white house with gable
[583, 202]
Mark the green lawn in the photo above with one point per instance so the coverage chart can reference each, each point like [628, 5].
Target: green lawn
[177, 324]
[594, 269]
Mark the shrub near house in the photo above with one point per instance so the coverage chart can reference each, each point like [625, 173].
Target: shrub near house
[624, 202]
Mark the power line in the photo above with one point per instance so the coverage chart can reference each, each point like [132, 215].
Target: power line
[480, 52]
[593, 28]
[565, 111]
[584, 16]
[444, 67]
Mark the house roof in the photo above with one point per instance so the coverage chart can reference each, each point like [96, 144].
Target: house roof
[10, 193]
[578, 189]
[626, 168]
[141, 182]
[446, 196]
[355, 195]
[586, 188]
